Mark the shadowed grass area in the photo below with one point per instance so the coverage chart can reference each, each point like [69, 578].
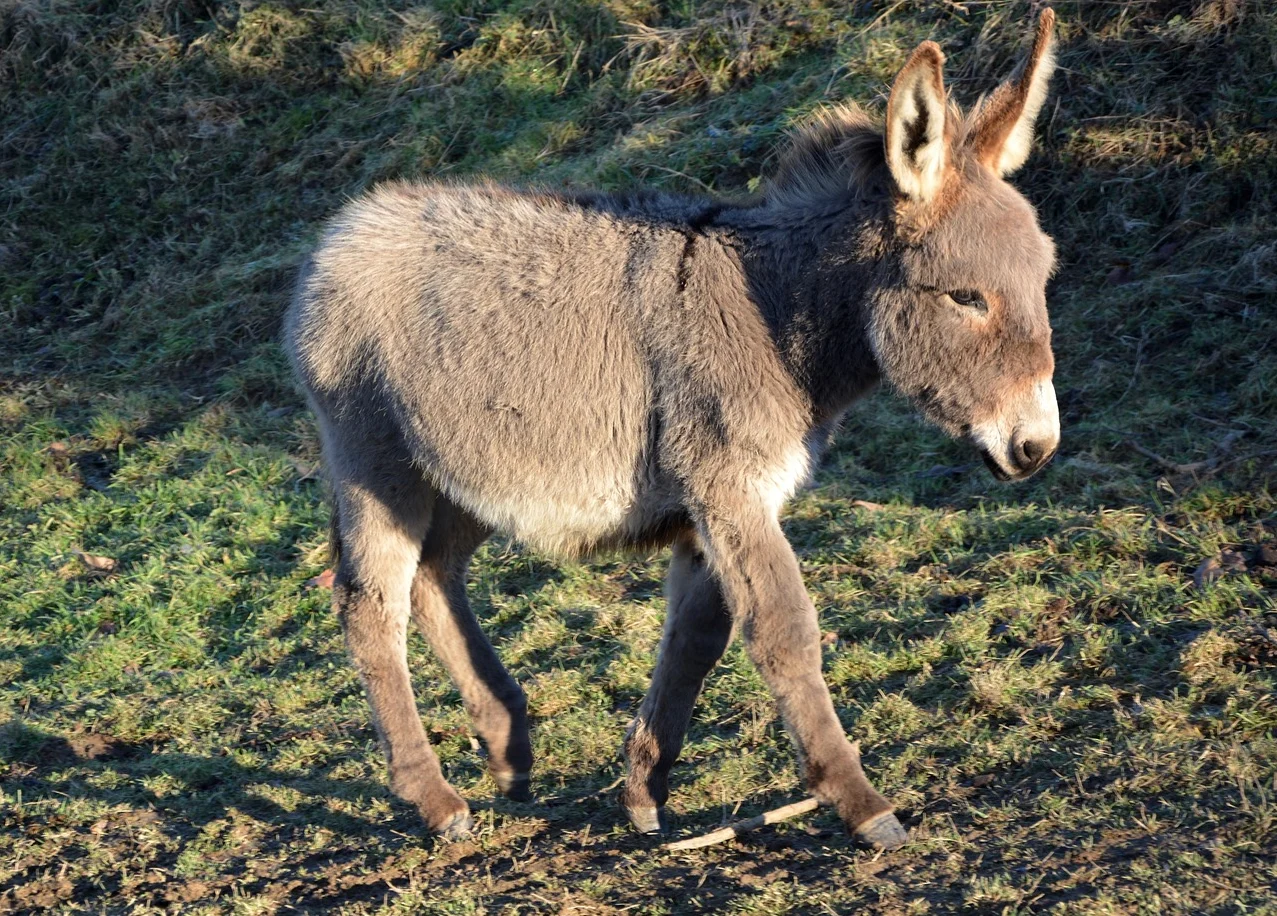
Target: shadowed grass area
[1067, 686]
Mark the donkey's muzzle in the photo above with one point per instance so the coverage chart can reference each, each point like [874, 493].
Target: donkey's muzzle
[1030, 455]
[1026, 458]
[1034, 422]
[1024, 469]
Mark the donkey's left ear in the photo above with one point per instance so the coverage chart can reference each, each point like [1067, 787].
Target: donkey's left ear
[1002, 135]
[917, 143]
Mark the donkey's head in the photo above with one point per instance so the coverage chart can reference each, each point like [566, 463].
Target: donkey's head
[959, 324]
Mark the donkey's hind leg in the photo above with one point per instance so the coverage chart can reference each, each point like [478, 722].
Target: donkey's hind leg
[492, 697]
[698, 628]
[383, 512]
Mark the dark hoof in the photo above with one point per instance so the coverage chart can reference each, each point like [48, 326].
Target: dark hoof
[882, 831]
[457, 827]
[647, 820]
[515, 786]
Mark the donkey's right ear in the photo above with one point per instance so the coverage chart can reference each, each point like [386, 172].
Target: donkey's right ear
[917, 146]
[1002, 132]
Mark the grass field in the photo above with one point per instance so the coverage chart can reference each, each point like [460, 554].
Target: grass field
[1068, 687]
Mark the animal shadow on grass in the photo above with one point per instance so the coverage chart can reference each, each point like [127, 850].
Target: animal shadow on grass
[277, 855]
[43, 766]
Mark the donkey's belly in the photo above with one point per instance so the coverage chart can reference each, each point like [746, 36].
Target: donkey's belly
[570, 524]
[563, 474]
[585, 482]
[555, 523]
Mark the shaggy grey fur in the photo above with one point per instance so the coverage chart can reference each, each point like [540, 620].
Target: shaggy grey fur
[597, 371]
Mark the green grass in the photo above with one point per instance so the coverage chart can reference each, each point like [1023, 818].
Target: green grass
[1068, 721]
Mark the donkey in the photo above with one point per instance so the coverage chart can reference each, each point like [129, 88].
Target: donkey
[590, 371]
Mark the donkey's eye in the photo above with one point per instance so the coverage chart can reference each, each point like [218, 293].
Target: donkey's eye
[970, 298]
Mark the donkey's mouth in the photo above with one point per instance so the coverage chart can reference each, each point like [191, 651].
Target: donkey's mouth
[994, 468]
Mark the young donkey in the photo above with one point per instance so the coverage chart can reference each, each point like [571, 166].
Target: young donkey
[593, 371]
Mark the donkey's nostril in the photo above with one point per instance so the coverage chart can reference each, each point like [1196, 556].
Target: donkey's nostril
[1031, 453]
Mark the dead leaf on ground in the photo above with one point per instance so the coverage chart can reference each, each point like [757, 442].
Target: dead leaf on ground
[1165, 252]
[867, 505]
[1207, 572]
[187, 893]
[98, 565]
[1256, 649]
[323, 580]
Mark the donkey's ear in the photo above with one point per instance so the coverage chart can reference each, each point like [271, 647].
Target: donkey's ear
[1002, 135]
[917, 148]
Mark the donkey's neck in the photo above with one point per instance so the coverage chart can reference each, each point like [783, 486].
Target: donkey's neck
[807, 273]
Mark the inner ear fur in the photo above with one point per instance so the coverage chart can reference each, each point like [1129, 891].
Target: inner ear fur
[917, 144]
[1002, 135]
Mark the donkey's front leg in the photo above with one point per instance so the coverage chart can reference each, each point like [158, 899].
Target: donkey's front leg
[764, 588]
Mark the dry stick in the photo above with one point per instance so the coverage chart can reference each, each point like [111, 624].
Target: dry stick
[603, 791]
[567, 77]
[1167, 464]
[1211, 464]
[734, 830]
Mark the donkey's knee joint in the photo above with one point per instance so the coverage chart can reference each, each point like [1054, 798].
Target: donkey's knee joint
[513, 698]
[698, 650]
[708, 648]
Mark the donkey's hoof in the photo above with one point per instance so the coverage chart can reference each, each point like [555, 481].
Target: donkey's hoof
[646, 819]
[882, 831]
[514, 786]
[457, 827]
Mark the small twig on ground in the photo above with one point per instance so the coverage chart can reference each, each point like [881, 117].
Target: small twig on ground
[1209, 465]
[1168, 465]
[1139, 364]
[571, 69]
[734, 830]
[614, 784]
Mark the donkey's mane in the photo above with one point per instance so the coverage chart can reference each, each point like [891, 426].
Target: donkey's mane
[840, 148]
